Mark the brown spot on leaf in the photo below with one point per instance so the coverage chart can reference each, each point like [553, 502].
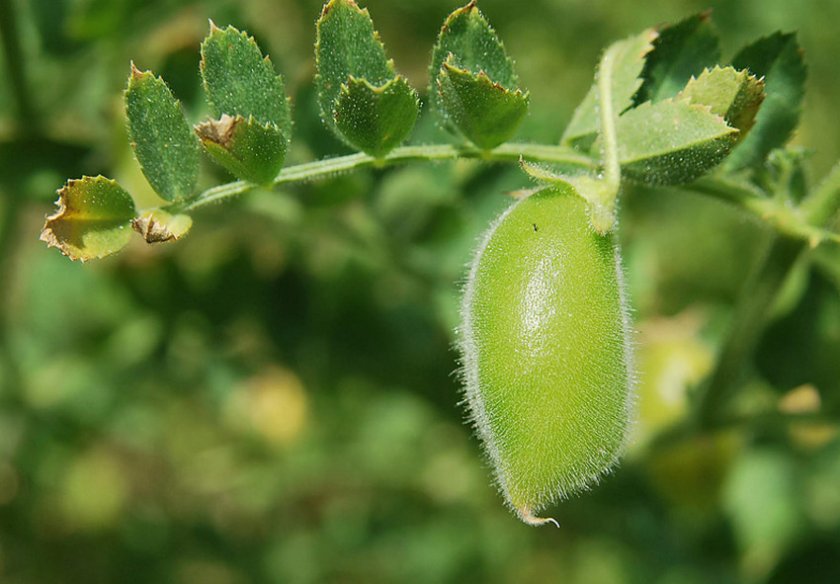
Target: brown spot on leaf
[219, 131]
[159, 226]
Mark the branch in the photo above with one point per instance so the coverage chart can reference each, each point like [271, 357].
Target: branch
[796, 223]
[797, 227]
[785, 220]
[320, 169]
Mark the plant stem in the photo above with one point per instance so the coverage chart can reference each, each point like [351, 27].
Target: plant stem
[609, 137]
[783, 219]
[15, 64]
[748, 323]
[758, 296]
[324, 168]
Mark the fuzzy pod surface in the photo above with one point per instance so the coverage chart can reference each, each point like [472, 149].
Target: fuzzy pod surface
[546, 350]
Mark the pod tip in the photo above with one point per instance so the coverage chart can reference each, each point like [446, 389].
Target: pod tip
[528, 517]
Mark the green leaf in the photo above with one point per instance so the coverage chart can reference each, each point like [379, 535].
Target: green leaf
[469, 59]
[583, 127]
[671, 142]
[376, 119]
[778, 59]
[253, 130]
[250, 150]
[680, 51]
[357, 84]
[240, 81]
[486, 113]
[734, 95]
[158, 226]
[93, 219]
[347, 49]
[627, 68]
[163, 142]
[346, 45]
[476, 47]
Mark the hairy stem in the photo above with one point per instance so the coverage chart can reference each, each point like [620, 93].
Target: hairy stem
[785, 220]
[609, 138]
[799, 229]
[329, 167]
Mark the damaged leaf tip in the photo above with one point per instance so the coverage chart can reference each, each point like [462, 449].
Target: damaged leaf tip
[92, 220]
[159, 226]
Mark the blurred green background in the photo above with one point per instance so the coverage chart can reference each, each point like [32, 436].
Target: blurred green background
[274, 399]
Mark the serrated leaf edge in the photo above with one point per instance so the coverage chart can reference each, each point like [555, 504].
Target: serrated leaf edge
[472, 7]
[389, 62]
[710, 71]
[378, 89]
[651, 35]
[688, 145]
[745, 75]
[214, 29]
[344, 91]
[481, 76]
[221, 132]
[48, 235]
[137, 75]
[329, 117]
[736, 162]
[704, 16]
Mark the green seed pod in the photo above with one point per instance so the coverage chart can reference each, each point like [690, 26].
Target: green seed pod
[546, 350]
